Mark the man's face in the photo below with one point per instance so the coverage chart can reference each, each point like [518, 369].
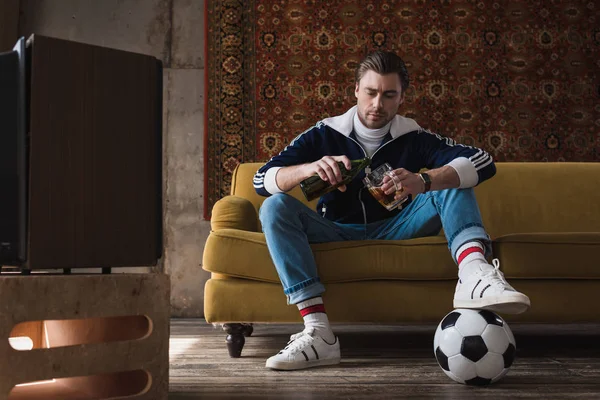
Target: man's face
[378, 98]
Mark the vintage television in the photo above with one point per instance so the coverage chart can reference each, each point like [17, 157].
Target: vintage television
[80, 156]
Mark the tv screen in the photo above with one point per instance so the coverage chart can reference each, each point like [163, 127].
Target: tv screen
[13, 165]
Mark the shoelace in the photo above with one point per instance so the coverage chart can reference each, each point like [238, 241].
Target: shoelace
[496, 276]
[299, 340]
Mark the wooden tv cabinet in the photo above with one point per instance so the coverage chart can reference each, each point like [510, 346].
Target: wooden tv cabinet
[94, 156]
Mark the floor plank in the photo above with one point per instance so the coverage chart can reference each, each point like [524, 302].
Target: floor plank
[379, 362]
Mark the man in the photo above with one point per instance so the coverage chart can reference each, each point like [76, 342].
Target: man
[445, 199]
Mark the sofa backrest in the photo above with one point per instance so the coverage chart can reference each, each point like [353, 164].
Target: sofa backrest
[241, 185]
[521, 198]
[541, 197]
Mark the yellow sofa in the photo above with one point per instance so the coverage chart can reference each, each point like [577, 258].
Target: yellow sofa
[544, 219]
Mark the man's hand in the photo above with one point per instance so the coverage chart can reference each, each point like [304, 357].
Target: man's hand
[405, 181]
[410, 183]
[328, 169]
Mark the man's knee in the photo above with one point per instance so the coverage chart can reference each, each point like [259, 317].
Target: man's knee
[274, 206]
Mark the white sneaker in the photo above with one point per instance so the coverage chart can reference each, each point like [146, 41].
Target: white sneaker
[487, 289]
[305, 350]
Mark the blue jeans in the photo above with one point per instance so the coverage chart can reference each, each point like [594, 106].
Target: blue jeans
[290, 227]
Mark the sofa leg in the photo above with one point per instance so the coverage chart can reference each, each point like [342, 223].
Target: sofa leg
[247, 329]
[235, 339]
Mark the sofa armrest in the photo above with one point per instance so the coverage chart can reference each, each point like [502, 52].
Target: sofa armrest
[234, 212]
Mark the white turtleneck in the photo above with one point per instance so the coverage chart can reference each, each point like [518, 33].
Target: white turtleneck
[370, 139]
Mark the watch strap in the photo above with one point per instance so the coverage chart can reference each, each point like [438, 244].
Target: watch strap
[426, 180]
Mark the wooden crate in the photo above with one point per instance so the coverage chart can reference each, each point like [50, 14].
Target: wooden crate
[91, 336]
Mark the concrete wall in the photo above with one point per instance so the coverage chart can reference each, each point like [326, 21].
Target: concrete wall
[9, 21]
[173, 31]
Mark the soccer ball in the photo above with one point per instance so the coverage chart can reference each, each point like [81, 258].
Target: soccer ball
[475, 347]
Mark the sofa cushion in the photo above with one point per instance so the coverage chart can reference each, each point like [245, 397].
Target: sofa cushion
[244, 254]
[392, 302]
[549, 255]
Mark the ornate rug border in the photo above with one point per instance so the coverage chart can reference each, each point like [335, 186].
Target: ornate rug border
[231, 61]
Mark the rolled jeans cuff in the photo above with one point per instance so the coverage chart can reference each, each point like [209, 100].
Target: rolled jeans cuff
[303, 291]
[470, 234]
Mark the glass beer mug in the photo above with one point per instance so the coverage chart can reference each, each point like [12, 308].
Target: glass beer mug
[374, 181]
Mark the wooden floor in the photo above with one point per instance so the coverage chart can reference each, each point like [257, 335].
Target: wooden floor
[379, 362]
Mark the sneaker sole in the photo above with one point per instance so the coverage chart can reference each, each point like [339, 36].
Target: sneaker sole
[501, 304]
[285, 366]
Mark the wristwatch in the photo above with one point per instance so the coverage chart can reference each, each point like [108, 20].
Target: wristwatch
[426, 180]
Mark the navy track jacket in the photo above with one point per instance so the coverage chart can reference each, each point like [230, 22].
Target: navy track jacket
[407, 145]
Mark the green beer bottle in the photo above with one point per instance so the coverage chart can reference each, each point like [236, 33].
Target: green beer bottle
[314, 187]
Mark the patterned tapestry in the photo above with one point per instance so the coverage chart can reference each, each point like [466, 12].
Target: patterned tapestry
[518, 78]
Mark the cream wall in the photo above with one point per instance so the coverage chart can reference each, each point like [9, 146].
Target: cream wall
[173, 31]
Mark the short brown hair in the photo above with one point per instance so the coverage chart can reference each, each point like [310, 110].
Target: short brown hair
[383, 62]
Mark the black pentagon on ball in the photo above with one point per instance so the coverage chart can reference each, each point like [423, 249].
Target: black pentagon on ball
[509, 355]
[478, 381]
[473, 348]
[491, 318]
[442, 359]
[450, 320]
